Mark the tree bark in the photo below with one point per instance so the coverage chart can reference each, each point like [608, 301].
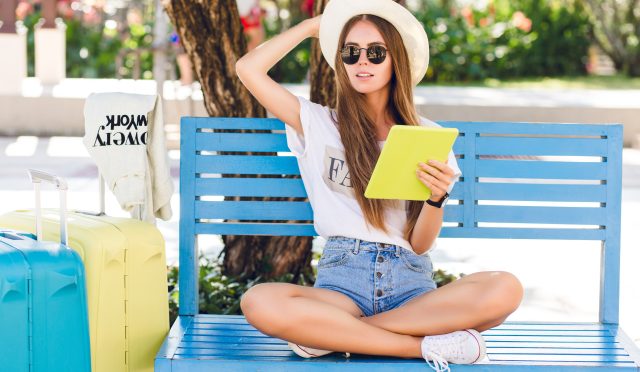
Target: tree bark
[211, 33]
[321, 76]
[49, 13]
[8, 16]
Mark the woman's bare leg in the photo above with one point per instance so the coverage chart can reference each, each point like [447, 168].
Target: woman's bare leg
[322, 319]
[479, 301]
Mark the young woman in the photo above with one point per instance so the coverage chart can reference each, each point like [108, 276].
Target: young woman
[374, 293]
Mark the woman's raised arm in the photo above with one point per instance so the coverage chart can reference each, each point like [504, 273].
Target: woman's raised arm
[252, 70]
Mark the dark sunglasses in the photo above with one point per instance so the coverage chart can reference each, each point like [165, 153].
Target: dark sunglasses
[375, 54]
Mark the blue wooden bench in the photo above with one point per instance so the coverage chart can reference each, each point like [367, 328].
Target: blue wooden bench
[499, 161]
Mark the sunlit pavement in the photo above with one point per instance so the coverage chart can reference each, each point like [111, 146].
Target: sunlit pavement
[560, 277]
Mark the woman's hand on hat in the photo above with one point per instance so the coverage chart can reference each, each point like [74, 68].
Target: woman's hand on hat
[435, 175]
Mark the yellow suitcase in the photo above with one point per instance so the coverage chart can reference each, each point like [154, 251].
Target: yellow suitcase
[126, 279]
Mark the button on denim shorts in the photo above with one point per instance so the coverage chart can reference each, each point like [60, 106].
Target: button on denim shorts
[377, 276]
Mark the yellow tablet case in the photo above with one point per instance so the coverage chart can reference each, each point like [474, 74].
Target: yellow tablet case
[394, 176]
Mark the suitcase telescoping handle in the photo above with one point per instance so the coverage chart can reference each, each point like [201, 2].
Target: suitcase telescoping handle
[37, 177]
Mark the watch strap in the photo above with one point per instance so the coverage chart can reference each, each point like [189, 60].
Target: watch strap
[438, 204]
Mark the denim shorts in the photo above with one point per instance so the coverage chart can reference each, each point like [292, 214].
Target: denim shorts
[377, 276]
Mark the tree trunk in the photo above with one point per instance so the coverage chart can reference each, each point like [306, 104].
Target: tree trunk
[49, 13]
[8, 16]
[211, 34]
[615, 24]
[321, 76]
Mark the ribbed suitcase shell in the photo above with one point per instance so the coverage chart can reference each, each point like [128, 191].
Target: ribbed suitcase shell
[126, 284]
[43, 306]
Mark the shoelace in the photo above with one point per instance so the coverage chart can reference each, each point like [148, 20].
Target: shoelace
[447, 347]
[439, 363]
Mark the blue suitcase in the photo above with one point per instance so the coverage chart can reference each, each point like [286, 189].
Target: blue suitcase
[43, 307]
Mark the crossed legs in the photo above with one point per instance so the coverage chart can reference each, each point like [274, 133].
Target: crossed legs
[325, 319]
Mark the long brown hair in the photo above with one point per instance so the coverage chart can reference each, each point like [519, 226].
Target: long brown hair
[359, 136]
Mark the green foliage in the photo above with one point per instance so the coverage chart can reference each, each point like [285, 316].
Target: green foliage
[617, 32]
[92, 48]
[441, 277]
[618, 81]
[293, 67]
[561, 34]
[220, 294]
[506, 39]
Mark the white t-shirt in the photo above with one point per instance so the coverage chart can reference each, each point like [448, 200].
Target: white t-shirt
[324, 172]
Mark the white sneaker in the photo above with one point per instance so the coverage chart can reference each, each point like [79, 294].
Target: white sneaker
[309, 352]
[459, 347]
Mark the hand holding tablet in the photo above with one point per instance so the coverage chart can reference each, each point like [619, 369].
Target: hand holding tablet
[395, 175]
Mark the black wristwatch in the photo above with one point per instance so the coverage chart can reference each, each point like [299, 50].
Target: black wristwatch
[439, 203]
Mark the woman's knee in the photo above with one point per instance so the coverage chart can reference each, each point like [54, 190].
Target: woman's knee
[513, 290]
[505, 293]
[262, 306]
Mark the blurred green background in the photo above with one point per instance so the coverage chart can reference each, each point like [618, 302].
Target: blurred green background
[476, 42]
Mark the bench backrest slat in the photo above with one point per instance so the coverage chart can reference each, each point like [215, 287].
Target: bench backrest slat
[520, 181]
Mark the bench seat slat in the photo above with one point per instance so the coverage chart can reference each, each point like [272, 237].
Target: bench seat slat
[534, 356]
[234, 352]
[555, 351]
[560, 358]
[234, 344]
[226, 339]
[573, 345]
[557, 366]
[248, 365]
[562, 349]
[548, 332]
[548, 325]
[547, 338]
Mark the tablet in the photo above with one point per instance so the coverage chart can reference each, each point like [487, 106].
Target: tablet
[394, 176]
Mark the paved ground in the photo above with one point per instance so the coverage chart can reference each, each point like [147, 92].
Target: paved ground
[561, 284]
[63, 102]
